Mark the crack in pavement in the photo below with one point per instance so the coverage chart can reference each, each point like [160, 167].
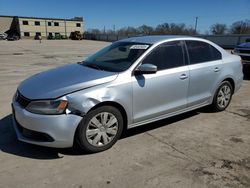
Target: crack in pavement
[174, 148]
[238, 114]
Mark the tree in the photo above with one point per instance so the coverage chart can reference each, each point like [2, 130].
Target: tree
[127, 31]
[94, 31]
[146, 30]
[218, 29]
[174, 29]
[162, 29]
[241, 27]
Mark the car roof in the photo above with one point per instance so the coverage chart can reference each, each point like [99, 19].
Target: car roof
[155, 38]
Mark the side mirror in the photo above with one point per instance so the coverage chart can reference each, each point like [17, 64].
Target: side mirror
[146, 69]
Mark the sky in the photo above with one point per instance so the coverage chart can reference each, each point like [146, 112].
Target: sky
[110, 13]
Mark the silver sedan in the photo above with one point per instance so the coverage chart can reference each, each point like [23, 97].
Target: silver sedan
[127, 84]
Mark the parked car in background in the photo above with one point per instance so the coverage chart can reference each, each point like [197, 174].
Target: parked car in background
[3, 36]
[243, 50]
[132, 82]
[37, 37]
[12, 37]
[76, 35]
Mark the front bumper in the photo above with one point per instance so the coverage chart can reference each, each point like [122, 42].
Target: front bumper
[58, 129]
[246, 67]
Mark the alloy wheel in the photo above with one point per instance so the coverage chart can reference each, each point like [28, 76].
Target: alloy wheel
[224, 96]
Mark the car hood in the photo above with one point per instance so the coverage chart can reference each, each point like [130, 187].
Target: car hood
[244, 45]
[63, 80]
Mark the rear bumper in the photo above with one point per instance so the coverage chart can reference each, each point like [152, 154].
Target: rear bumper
[46, 130]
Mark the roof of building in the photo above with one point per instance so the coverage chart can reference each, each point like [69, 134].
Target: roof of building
[80, 19]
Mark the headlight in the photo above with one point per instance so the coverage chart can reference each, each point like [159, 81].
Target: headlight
[236, 50]
[48, 107]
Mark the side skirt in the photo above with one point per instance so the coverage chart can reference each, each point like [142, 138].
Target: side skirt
[167, 115]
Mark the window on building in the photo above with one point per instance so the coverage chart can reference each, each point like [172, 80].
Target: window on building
[78, 24]
[50, 34]
[200, 52]
[25, 22]
[49, 23]
[56, 23]
[37, 23]
[26, 34]
[38, 33]
[166, 56]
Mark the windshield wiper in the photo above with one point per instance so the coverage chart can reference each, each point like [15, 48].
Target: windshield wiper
[91, 66]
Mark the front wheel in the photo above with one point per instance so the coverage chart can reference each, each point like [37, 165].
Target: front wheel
[222, 96]
[100, 129]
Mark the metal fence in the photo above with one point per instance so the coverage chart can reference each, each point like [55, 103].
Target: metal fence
[225, 41]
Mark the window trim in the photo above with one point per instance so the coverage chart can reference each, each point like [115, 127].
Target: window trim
[185, 60]
[188, 56]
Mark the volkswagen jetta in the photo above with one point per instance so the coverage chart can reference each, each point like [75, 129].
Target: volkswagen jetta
[132, 82]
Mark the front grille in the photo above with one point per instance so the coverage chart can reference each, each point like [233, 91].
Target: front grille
[244, 51]
[23, 101]
[245, 58]
[34, 135]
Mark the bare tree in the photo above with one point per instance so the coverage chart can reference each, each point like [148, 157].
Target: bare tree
[146, 30]
[94, 31]
[162, 29]
[126, 31]
[241, 27]
[218, 29]
[174, 29]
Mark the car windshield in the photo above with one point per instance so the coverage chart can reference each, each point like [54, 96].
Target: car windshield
[117, 57]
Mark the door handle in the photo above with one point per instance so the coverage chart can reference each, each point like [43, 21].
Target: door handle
[216, 69]
[183, 77]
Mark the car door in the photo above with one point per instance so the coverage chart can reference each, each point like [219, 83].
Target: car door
[205, 68]
[165, 91]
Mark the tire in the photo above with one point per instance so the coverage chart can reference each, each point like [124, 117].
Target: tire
[100, 129]
[222, 97]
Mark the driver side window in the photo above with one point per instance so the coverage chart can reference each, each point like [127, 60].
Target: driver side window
[166, 56]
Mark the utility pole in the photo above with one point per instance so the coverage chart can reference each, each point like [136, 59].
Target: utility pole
[114, 28]
[104, 29]
[196, 22]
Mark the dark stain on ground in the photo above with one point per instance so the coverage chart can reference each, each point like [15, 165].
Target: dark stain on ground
[227, 164]
[201, 172]
[49, 56]
[227, 172]
[246, 112]
[41, 64]
[18, 53]
[244, 163]
[236, 140]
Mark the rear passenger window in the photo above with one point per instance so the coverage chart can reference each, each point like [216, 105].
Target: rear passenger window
[216, 53]
[166, 56]
[200, 52]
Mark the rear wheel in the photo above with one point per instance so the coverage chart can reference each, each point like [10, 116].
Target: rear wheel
[222, 96]
[100, 129]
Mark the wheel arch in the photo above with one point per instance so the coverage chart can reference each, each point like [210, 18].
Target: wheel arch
[116, 105]
[231, 81]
